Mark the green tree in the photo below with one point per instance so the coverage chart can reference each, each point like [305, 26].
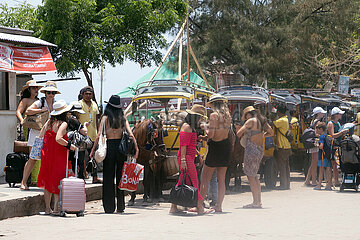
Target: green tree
[88, 32]
[22, 16]
[271, 40]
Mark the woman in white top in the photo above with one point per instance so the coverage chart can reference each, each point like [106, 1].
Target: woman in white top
[318, 114]
[39, 106]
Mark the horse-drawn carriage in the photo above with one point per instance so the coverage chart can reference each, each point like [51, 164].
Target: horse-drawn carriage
[167, 100]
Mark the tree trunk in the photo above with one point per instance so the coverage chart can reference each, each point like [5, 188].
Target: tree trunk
[89, 80]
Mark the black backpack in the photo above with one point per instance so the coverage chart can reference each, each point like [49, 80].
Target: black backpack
[308, 138]
[330, 147]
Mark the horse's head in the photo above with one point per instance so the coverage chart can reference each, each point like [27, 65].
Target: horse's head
[155, 137]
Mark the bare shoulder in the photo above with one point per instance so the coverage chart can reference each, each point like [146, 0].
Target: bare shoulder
[214, 116]
[186, 128]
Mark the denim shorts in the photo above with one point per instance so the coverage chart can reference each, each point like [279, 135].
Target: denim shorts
[324, 163]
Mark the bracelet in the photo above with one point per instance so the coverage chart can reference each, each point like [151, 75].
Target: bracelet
[68, 145]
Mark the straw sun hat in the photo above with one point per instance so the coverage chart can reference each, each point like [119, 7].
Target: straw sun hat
[216, 97]
[60, 107]
[246, 111]
[31, 83]
[50, 86]
[197, 109]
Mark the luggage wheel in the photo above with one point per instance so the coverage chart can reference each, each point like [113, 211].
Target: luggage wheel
[80, 214]
[62, 214]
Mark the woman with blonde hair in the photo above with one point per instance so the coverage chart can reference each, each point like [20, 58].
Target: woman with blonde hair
[220, 148]
[254, 130]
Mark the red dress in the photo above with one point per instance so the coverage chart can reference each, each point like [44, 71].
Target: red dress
[189, 140]
[53, 163]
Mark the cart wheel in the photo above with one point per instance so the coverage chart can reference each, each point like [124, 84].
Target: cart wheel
[62, 214]
[80, 214]
[270, 173]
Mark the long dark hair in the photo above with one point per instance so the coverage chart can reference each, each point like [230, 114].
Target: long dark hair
[193, 121]
[26, 94]
[260, 118]
[115, 116]
[61, 117]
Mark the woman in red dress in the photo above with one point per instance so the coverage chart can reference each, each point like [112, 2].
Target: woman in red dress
[187, 151]
[54, 154]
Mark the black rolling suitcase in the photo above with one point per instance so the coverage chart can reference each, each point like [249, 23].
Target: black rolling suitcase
[14, 168]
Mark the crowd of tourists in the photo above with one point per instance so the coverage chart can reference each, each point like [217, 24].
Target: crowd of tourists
[213, 121]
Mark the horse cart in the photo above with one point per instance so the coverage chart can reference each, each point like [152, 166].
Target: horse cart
[166, 101]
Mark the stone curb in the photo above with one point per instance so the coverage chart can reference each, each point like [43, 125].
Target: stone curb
[32, 205]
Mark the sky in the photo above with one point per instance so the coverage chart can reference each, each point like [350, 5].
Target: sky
[115, 78]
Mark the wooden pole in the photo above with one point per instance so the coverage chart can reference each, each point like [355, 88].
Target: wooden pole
[187, 46]
[198, 65]
[127, 110]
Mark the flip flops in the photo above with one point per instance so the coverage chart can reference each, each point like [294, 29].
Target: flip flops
[252, 206]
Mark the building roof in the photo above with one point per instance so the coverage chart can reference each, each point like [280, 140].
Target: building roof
[19, 36]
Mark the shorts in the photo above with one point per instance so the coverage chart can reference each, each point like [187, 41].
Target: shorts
[324, 163]
[32, 135]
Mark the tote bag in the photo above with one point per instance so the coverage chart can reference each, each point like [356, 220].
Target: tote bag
[100, 153]
[36, 149]
[184, 195]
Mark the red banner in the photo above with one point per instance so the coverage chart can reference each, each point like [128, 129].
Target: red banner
[26, 59]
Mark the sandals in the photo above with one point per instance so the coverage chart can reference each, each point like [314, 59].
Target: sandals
[252, 206]
[23, 188]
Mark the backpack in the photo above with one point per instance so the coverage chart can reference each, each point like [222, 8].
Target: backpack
[330, 147]
[308, 138]
[349, 151]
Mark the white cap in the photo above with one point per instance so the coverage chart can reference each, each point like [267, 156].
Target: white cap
[318, 110]
[336, 110]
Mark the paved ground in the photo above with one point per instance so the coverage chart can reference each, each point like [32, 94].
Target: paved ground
[299, 213]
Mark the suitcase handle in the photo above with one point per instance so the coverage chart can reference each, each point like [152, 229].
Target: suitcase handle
[76, 162]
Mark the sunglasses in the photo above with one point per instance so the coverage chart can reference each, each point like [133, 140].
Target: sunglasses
[53, 92]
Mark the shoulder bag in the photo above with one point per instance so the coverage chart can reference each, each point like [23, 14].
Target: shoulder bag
[100, 153]
[36, 121]
[127, 145]
[184, 195]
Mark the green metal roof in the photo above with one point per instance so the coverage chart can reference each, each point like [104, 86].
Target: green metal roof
[163, 74]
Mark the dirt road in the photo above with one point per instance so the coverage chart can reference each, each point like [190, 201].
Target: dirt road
[299, 213]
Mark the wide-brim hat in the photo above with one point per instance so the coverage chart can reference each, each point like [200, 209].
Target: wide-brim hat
[114, 101]
[76, 107]
[31, 83]
[246, 111]
[51, 87]
[60, 107]
[216, 97]
[197, 109]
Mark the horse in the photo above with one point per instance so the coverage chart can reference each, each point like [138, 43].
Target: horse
[236, 160]
[150, 140]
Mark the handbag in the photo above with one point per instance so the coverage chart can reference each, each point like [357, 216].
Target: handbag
[82, 142]
[36, 149]
[127, 145]
[269, 143]
[100, 153]
[184, 195]
[36, 121]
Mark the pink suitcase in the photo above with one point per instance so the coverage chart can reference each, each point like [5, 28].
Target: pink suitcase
[72, 193]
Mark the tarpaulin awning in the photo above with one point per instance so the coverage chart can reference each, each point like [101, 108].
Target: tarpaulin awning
[26, 59]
